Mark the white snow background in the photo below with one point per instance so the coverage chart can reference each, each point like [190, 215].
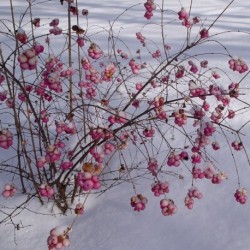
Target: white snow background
[217, 222]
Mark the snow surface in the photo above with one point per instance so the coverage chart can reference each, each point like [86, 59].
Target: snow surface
[216, 222]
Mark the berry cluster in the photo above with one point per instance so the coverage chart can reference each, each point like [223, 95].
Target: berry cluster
[66, 165]
[135, 67]
[186, 21]
[148, 132]
[168, 207]
[27, 59]
[59, 238]
[21, 36]
[160, 188]
[238, 65]
[9, 191]
[184, 17]
[141, 38]
[69, 128]
[180, 117]
[150, 7]
[79, 209]
[174, 160]
[94, 52]
[41, 161]
[193, 192]
[52, 154]
[138, 202]
[88, 179]
[204, 33]
[119, 118]
[196, 91]
[152, 165]
[108, 72]
[55, 30]
[46, 191]
[241, 195]
[6, 138]
[237, 145]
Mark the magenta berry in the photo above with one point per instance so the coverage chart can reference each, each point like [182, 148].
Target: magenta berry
[237, 145]
[168, 207]
[79, 209]
[21, 35]
[150, 7]
[94, 52]
[138, 202]
[59, 238]
[9, 191]
[135, 67]
[46, 191]
[160, 188]
[6, 139]
[88, 181]
[241, 195]
[204, 33]
[238, 65]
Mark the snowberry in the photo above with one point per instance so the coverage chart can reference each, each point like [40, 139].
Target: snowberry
[41, 161]
[135, 67]
[6, 138]
[46, 190]
[183, 14]
[238, 65]
[85, 12]
[66, 165]
[197, 173]
[79, 209]
[138, 202]
[173, 160]
[54, 22]
[204, 33]
[36, 22]
[141, 38]
[180, 117]
[27, 59]
[152, 165]
[168, 207]
[59, 238]
[80, 41]
[180, 72]
[88, 181]
[156, 54]
[148, 132]
[73, 9]
[9, 191]
[21, 36]
[215, 145]
[94, 52]
[55, 31]
[218, 178]
[237, 145]
[196, 158]
[241, 195]
[149, 6]
[234, 90]
[231, 114]
[160, 188]
[108, 72]
[52, 154]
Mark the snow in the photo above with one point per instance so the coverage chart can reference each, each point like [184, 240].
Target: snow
[216, 221]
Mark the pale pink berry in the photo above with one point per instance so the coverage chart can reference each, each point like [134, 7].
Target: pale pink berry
[241, 195]
[138, 202]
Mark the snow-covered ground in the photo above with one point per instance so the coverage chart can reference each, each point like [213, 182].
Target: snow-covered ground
[216, 222]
